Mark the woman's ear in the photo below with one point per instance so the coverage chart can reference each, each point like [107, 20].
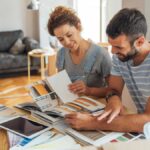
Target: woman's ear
[79, 27]
[139, 42]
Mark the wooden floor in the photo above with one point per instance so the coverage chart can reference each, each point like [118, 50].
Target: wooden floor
[14, 89]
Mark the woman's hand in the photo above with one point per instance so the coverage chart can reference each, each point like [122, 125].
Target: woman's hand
[78, 87]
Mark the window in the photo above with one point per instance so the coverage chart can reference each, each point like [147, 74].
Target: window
[89, 13]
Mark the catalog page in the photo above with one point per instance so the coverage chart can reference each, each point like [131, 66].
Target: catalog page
[59, 83]
[96, 138]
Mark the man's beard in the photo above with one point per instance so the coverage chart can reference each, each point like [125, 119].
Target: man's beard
[129, 55]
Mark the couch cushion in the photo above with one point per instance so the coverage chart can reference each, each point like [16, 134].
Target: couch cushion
[10, 61]
[30, 44]
[8, 38]
[17, 48]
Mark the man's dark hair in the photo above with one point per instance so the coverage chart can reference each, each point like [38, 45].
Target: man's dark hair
[130, 22]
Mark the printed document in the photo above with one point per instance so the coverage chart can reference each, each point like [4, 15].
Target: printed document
[59, 82]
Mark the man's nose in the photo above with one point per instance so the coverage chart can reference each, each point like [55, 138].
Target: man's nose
[114, 50]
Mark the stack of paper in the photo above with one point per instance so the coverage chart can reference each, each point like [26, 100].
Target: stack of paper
[6, 113]
[59, 143]
[96, 138]
[26, 143]
[134, 145]
[36, 112]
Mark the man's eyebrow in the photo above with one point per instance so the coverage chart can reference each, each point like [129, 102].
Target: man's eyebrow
[118, 47]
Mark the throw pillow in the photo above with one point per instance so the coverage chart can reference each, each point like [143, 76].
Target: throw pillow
[17, 48]
[30, 44]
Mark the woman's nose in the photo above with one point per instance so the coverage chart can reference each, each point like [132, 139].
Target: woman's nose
[67, 41]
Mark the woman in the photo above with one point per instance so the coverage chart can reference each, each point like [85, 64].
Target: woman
[87, 64]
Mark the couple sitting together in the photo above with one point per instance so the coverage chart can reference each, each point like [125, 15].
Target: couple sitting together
[94, 73]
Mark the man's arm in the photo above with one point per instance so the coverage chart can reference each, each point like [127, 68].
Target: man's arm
[114, 105]
[127, 123]
[116, 83]
[122, 123]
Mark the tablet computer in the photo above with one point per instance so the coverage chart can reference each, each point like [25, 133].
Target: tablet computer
[24, 127]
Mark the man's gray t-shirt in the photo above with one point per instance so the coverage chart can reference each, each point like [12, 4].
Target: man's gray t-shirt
[137, 79]
[93, 69]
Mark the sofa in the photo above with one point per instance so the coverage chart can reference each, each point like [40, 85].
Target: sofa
[13, 53]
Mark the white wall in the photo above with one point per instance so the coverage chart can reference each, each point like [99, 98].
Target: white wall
[138, 4]
[112, 7]
[90, 20]
[147, 15]
[143, 6]
[14, 15]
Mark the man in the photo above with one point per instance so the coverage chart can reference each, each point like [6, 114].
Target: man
[131, 66]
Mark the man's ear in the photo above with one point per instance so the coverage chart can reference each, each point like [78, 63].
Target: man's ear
[139, 42]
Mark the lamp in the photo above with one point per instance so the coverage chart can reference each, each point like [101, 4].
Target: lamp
[34, 5]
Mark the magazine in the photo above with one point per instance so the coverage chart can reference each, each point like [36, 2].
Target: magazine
[43, 95]
[137, 144]
[99, 138]
[71, 102]
[52, 97]
[46, 116]
[96, 138]
[58, 112]
[82, 104]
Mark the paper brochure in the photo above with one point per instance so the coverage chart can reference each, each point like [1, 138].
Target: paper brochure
[59, 83]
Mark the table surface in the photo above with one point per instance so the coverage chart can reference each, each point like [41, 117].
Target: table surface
[40, 52]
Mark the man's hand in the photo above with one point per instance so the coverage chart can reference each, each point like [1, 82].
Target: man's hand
[112, 110]
[78, 87]
[81, 121]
